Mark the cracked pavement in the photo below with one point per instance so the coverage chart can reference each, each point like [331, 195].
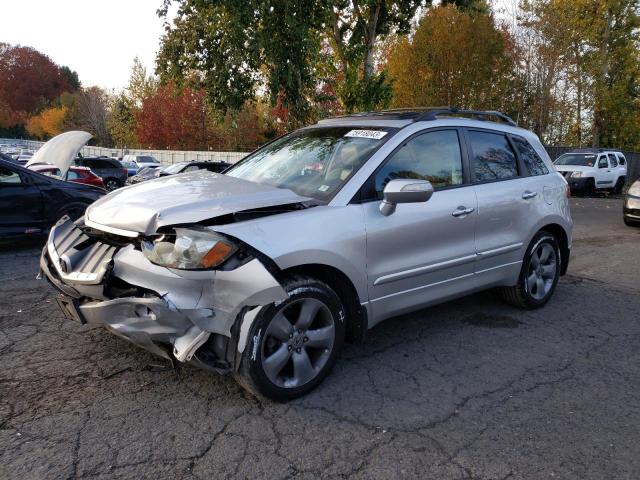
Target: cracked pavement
[471, 389]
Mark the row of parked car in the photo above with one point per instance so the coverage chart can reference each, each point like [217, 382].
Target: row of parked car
[51, 183]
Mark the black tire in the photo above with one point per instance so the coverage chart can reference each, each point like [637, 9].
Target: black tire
[630, 223]
[617, 190]
[261, 346]
[590, 187]
[111, 184]
[522, 294]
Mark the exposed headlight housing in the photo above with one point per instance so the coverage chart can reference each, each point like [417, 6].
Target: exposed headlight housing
[189, 249]
[576, 174]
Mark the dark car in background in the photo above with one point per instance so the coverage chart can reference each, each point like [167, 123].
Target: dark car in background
[113, 174]
[148, 173]
[184, 167]
[30, 203]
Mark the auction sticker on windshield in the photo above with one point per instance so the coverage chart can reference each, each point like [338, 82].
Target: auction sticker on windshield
[373, 134]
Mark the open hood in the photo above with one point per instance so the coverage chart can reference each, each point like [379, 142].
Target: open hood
[61, 150]
[181, 199]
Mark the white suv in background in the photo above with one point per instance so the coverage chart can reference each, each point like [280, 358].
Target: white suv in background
[590, 169]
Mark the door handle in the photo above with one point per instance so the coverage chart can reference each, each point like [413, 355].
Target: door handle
[460, 211]
[528, 194]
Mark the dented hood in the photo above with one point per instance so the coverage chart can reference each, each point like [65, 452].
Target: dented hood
[61, 150]
[181, 199]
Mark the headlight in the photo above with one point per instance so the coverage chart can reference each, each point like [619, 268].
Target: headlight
[189, 249]
[634, 189]
[576, 174]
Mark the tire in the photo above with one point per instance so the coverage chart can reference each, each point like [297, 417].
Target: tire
[111, 184]
[276, 360]
[630, 223]
[617, 190]
[590, 187]
[539, 273]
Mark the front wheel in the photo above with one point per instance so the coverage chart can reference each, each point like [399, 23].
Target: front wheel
[293, 344]
[539, 273]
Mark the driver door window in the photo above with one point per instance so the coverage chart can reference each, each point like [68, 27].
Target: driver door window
[433, 156]
[602, 162]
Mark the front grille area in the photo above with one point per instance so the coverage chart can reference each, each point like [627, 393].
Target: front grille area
[76, 256]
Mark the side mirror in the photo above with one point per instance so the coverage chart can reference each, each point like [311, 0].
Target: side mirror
[404, 191]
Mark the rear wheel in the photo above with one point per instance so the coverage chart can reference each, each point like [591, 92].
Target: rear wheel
[539, 274]
[293, 345]
[112, 184]
[617, 190]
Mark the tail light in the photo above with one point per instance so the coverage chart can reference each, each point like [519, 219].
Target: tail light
[568, 191]
[126, 173]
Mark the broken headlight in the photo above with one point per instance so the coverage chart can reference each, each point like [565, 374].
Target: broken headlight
[189, 249]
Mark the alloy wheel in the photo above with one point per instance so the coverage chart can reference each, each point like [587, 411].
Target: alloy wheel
[111, 185]
[298, 342]
[542, 271]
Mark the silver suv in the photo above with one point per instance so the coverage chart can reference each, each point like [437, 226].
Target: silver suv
[316, 237]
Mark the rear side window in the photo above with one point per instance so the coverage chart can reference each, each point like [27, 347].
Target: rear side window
[621, 159]
[433, 156]
[530, 157]
[96, 163]
[613, 161]
[493, 158]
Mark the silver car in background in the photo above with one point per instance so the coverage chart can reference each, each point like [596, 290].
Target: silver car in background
[313, 239]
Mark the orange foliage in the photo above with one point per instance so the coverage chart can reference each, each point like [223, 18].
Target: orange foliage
[48, 123]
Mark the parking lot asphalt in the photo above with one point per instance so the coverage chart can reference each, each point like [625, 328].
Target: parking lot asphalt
[471, 389]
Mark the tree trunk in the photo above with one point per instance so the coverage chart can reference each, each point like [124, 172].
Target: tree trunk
[598, 109]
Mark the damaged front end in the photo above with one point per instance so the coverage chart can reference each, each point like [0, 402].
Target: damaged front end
[141, 290]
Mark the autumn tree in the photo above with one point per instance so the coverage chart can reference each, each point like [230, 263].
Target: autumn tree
[173, 117]
[29, 80]
[453, 58]
[48, 123]
[579, 66]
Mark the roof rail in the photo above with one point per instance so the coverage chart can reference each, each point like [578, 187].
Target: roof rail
[432, 114]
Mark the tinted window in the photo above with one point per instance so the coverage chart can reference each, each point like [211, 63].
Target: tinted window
[433, 156]
[612, 160]
[98, 163]
[622, 159]
[9, 177]
[493, 157]
[530, 157]
[602, 162]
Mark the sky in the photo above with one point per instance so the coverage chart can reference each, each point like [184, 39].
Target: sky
[97, 38]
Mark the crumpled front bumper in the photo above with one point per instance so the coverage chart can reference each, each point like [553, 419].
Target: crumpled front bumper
[166, 311]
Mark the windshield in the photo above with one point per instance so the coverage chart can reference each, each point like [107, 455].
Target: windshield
[175, 168]
[313, 163]
[580, 159]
